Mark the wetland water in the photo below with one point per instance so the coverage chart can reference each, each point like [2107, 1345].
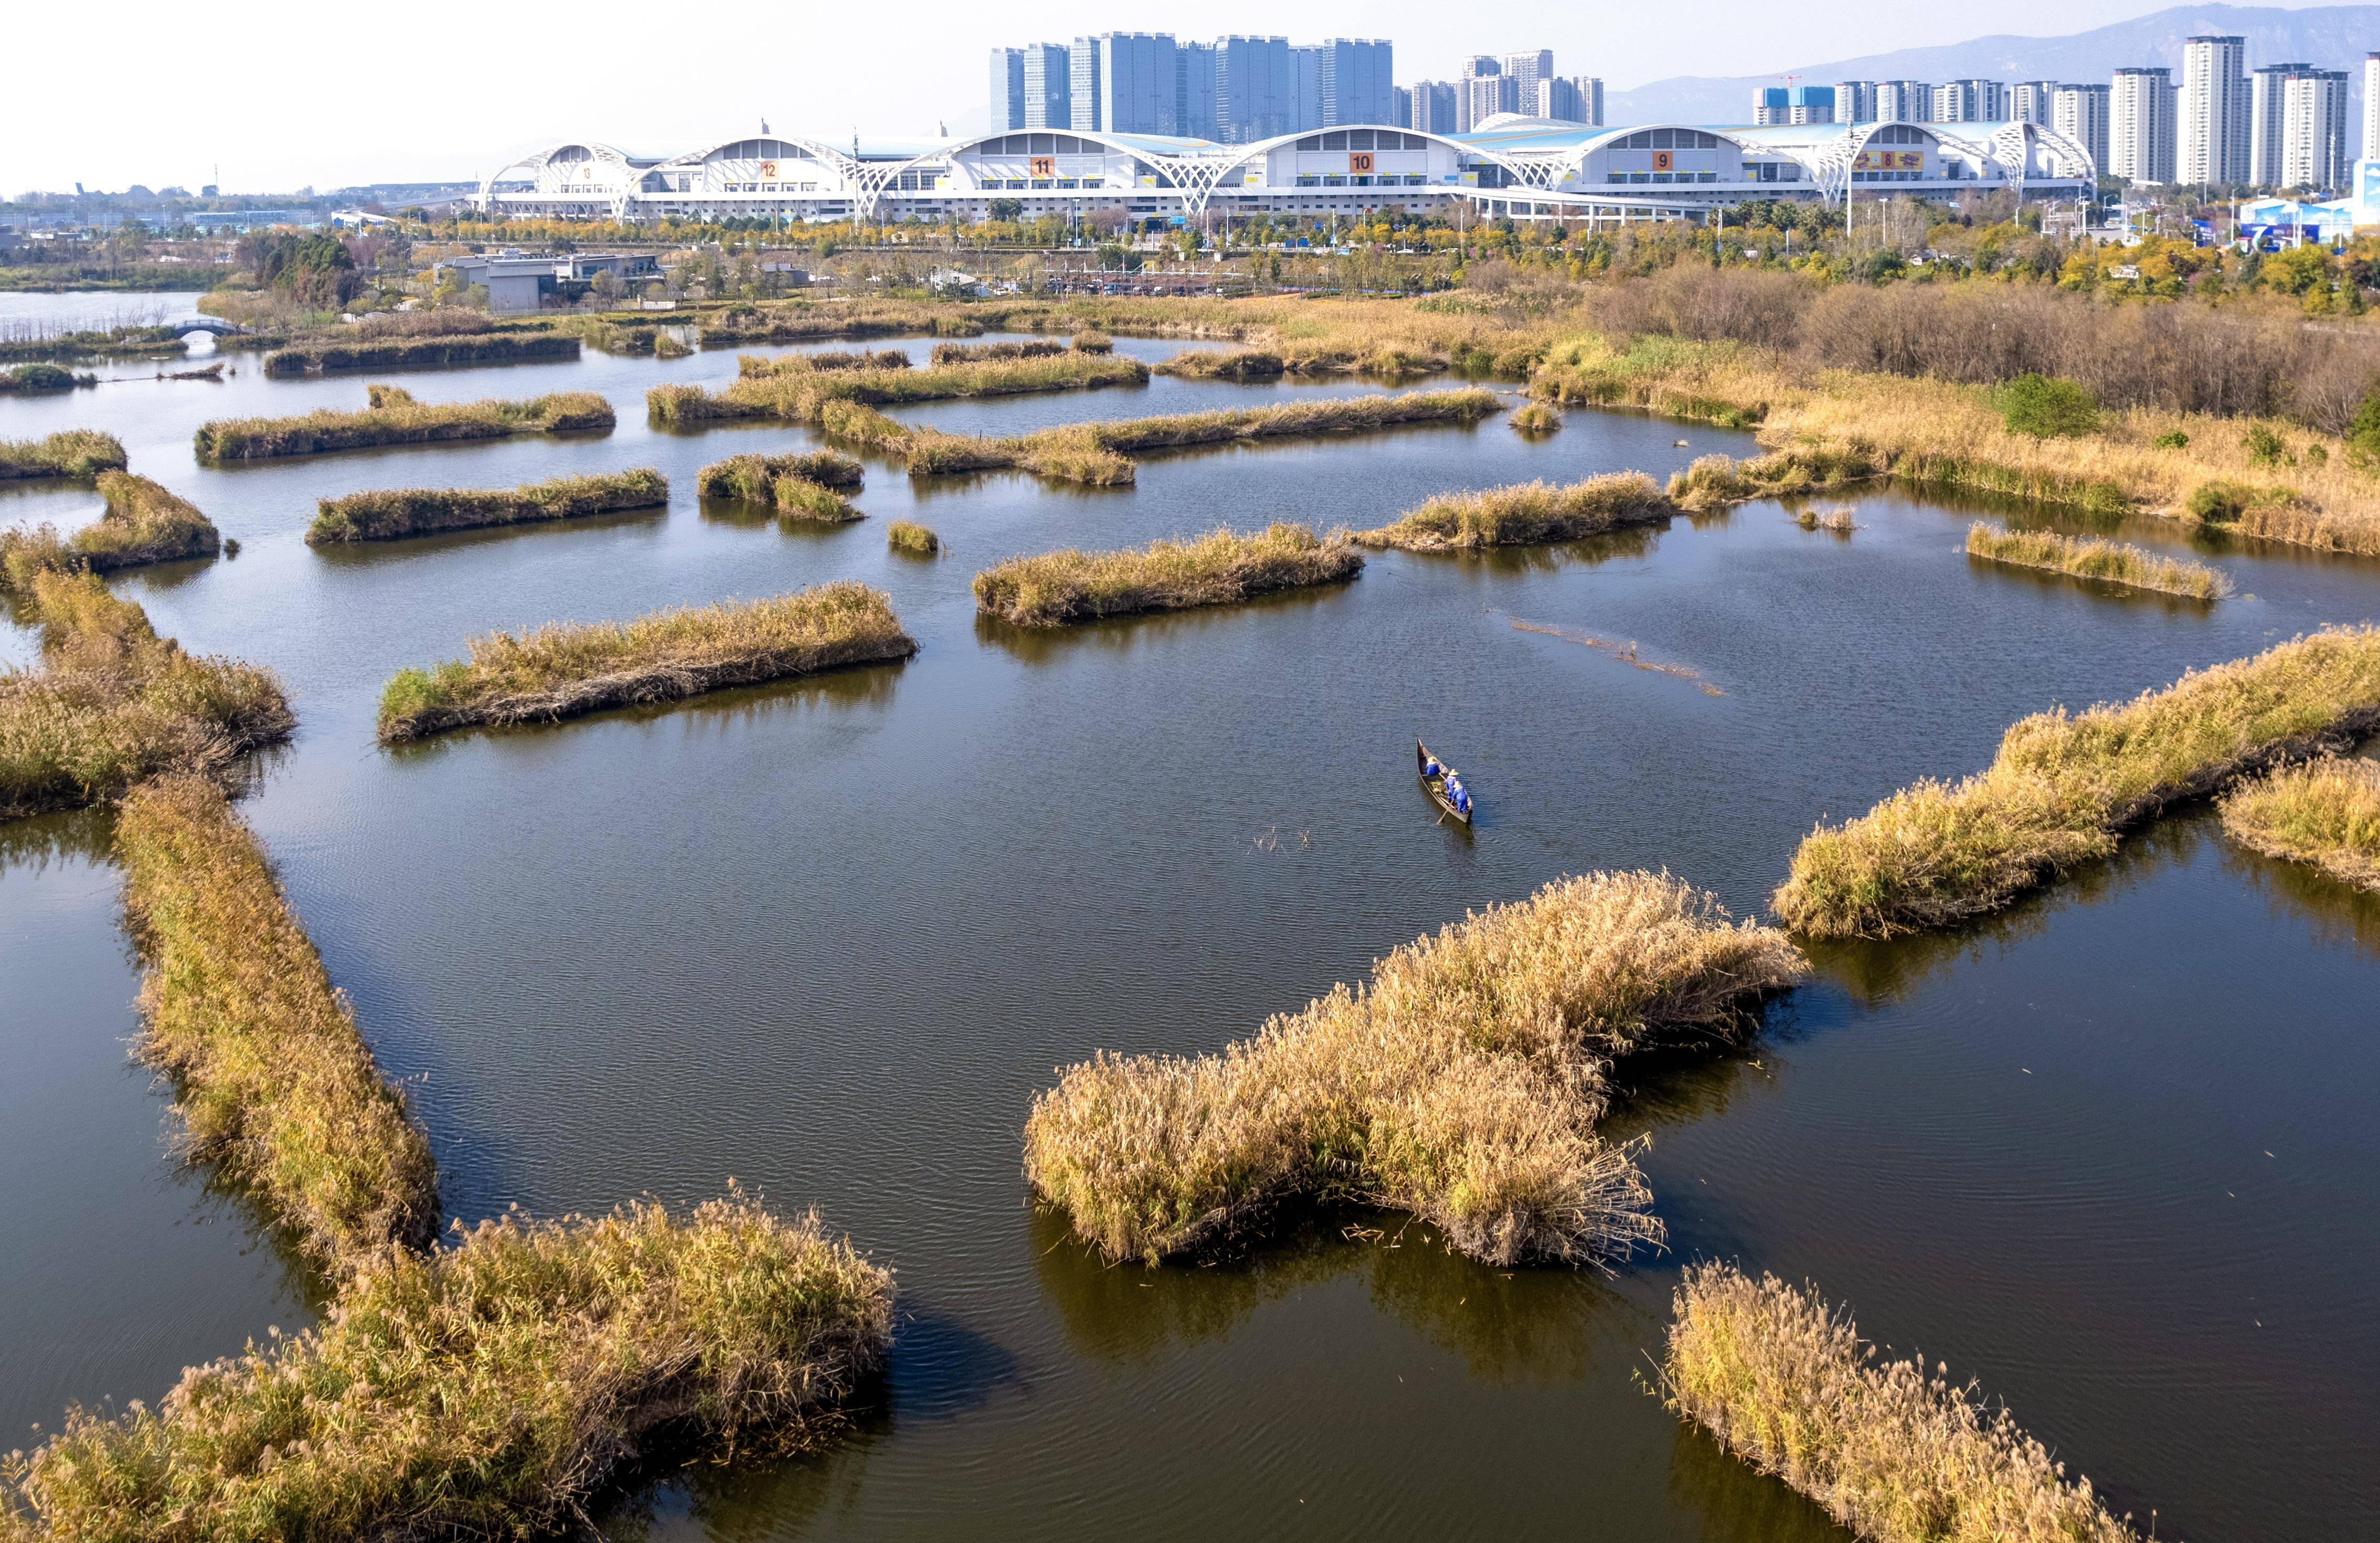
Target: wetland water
[2112, 1153]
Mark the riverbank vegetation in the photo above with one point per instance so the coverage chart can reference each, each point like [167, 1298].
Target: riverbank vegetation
[141, 523]
[916, 540]
[395, 417]
[860, 359]
[393, 514]
[483, 1390]
[72, 452]
[2107, 562]
[1462, 1083]
[1526, 513]
[441, 351]
[2326, 813]
[2064, 786]
[977, 353]
[33, 380]
[1894, 1452]
[112, 703]
[1061, 589]
[276, 1084]
[563, 669]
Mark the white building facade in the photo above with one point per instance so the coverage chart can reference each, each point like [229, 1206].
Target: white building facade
[2212, 122]
[2140, 125]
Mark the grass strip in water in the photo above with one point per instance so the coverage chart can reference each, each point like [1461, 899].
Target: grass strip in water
[275, 1083]
[565, 668]
[977, 353]
[1222, 567]
[394, 417]
[484, 1391]
[68, 453]
[2326, 813]
[2063, 787]
[1462, 1083]
[1526, 513]
[444, 351]
[142, 523]
[393, 514]
[2108, 562]
[1894, 1453]
[761, 478]
[1313, 357]
[907, 536]
[112, 703]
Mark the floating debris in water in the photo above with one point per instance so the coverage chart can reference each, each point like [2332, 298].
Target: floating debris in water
[1624, 653]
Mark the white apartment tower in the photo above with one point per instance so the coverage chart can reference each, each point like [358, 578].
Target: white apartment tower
[1855, 100]
[2212, 126]
[2033, 102]
[1526, 71]
[2267, 96]
[2372, 107]
[1571, 99]
[2314, 139]
[2140, 125]
[1904, 101]
[2081, 113]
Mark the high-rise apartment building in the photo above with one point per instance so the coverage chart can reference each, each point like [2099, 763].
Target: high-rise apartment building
[1125, 83]
[1049, 97]
[1194, 90]
[2213, 117]
[2033, 102]
[1007, 89]
[2313, 138]
[1525, 71]
[2372, 107]
[1570, 98]
[1484, 96]
[1306, 71]
[1904, 101]
[2081, 113]
[1970, 101]
[1357, 80]
[1400, 106]
[2267, 96]
[1854, 101]
[1255, 84]
[1434, 106]
[1793, 105]
[2140, 125]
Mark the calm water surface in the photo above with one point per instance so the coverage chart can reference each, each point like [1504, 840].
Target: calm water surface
[2111, 1153]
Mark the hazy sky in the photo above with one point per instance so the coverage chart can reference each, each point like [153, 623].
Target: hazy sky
[282, 94]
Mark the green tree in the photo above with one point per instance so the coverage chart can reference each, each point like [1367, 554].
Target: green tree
[2048, 407]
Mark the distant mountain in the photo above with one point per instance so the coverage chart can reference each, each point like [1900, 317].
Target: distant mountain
[2336, 37]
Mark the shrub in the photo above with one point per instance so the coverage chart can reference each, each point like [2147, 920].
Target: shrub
[904, 536]
[2265, 447]
[30, 378]
[2048, 407]
[2218, 503]
[2172, 438]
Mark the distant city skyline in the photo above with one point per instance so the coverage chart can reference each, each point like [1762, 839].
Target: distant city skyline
[166, 122]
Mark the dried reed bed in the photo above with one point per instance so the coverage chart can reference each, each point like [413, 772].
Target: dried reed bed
[906, 536]
[1835, 520]
[67, 453]
[1462, 1083]
[789, 391]
[849, 359]
[1302, 358]
[1536, 419]
[2326, 813]
[2108, 562]
[394, 417]
[394, 513]
[1828, 428]
[446, 351]
[112, 703]
[1093, 453]
[563, 668]
[142, 523]
[276, 1084]
[754, 478]
[485, 1390]
[976, 353]
[1222, 567]
[1894, 1453]
[2063, 787]
[1526, 513]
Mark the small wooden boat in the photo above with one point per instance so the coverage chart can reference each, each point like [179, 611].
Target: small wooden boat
[1434, 783]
